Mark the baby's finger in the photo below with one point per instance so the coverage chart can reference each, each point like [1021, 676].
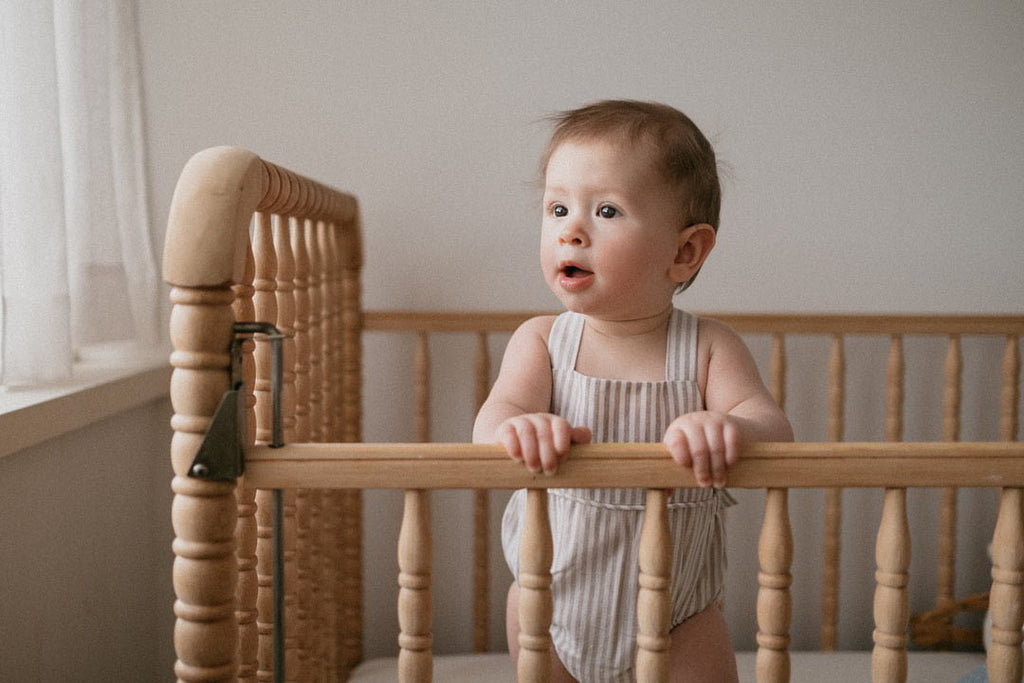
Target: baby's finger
[731, 436]
[547, 453]
[701, 458]
[581, 435]
[509, 440]
[561, 436]
[527, 435]
[716, 455]
[678, 449]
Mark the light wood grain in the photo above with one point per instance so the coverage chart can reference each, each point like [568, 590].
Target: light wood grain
[804, 465]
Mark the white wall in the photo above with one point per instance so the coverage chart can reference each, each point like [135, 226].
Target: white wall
[874, 152]
[85, 553]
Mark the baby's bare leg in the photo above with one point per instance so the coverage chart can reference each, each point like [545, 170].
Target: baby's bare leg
[701, 650]
[558, 671]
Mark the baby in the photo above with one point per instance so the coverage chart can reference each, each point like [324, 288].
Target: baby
[630, 213]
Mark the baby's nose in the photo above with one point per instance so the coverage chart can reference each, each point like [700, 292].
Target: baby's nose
[573, 233]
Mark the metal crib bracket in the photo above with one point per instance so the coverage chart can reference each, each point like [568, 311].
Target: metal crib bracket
[221, 455]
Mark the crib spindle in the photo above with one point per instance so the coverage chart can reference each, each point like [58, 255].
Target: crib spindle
[245, 530]
[321, 594]
[349, 256]
[481, 515]
[535, 601]
[894, 390]
[952, 398]
[1010, 393]
[777, 369]
[422, 387]
[415, 613]
[330, 392]
[774, 603]
[303, 516]
[833, 499]
[891, 605]
[265, 304]
[285, 323]
[1007, 595]
[654, 605]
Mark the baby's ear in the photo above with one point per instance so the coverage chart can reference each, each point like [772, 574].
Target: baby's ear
[694, 246]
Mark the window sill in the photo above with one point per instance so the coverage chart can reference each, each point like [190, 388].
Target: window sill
[97, 390]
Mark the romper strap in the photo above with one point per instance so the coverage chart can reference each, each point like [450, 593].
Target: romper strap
[564, 340]
[681, 347]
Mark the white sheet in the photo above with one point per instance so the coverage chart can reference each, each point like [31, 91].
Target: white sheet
[806, 667]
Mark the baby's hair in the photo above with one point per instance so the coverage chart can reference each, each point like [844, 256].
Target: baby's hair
[684, 155]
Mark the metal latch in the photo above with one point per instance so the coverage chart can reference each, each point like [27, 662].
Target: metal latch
[221, 455]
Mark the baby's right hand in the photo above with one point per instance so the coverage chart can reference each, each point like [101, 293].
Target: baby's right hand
[540, 440]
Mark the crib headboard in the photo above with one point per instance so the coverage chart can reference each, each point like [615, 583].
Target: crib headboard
[251, 242]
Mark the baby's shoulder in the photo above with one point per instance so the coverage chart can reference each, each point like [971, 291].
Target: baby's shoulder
[715, 339]
[537, 326]
[712, 330]
[532, 334]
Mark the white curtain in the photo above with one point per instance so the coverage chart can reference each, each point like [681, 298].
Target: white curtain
[77, 265]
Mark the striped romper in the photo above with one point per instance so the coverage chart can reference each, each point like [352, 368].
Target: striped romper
[596, 531]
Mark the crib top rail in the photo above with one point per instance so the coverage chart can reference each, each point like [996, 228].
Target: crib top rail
[217, 193]
[763, 465]
[754, 323]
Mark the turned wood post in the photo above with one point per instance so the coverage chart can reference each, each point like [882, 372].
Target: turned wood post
[831, 547]
[204, 255]
[891, 608]
[535, 601]
[654, 601]
[245, 530]
[774, 604]
[415, 610]
[1006, 600]
[265, 302]
[204, 513]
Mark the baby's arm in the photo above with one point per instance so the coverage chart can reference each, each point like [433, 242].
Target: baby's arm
[515, 413]
[738, 409]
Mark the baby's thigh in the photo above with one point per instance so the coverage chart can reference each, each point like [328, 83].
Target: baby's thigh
[701, 650]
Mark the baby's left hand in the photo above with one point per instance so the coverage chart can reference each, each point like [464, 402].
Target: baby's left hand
[707, 441]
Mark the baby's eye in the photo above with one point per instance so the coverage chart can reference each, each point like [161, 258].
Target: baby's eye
[606, 211]
[559, 211]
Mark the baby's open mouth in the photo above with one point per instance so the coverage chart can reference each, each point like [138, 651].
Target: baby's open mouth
[572, 271]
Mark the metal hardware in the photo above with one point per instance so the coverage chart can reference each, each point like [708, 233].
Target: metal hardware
[221, 455]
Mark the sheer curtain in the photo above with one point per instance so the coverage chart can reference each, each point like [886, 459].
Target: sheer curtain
[78, 270]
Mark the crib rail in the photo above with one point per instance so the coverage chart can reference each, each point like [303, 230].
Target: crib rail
[840, 329]
[250, 241]
[761, 466]
[777, 468]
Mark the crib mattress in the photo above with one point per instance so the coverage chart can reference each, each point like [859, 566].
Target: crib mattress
[806, 667]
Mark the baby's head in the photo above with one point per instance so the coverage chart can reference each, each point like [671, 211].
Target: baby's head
[676, 147]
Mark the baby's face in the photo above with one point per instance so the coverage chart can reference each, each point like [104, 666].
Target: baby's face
[610, 230]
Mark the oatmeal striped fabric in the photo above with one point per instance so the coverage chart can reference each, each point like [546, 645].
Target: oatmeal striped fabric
[596, 531]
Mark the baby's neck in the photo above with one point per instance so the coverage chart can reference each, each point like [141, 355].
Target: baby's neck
[632, 328]
[624, 349]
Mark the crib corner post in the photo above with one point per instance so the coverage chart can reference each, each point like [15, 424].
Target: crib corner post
[1006, 601]
[774, 604]
[204, 512]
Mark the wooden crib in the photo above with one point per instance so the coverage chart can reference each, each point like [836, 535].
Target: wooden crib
[267, 389]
